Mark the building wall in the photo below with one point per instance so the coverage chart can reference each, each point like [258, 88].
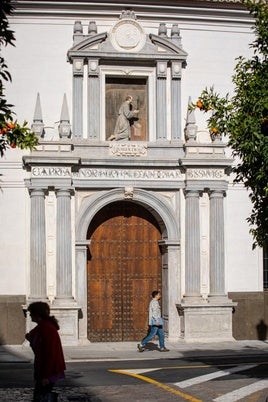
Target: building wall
[12, 325]
[250, 316]
[38, 65]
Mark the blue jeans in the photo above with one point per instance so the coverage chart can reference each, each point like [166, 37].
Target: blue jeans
[155, 330]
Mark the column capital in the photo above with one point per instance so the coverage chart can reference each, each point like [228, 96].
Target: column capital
[161, 69]
[37, 191]
[167, 244]
[176, 67]
[78, 67]
[64, 192]
[217, 193]
[192, 193]
[93, 67]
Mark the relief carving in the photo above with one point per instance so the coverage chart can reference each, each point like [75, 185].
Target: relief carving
[127, 149]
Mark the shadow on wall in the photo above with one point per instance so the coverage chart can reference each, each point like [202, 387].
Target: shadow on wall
[262, 330]
[250, 316]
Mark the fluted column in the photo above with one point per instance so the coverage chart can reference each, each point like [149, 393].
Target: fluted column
[192, 246]
[38, 285]
[217, 264]
[64, 246]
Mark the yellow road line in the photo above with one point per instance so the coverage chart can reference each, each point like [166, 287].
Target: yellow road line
[158, 384]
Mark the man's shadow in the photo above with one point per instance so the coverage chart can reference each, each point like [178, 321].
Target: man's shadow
[151, 346]
[261, 330]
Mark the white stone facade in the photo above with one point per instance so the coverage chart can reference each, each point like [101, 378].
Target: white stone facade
[49, 197]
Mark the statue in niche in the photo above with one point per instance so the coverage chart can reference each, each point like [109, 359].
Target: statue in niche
[126, 118]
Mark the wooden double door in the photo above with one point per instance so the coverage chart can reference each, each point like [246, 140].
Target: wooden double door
[124, 266]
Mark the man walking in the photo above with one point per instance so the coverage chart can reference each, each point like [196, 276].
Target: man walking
[156, 323]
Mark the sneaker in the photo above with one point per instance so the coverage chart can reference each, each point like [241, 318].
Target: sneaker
[141, 348]
[163, 350]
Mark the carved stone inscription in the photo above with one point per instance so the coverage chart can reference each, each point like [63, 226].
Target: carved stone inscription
[47, 171]
[128, 149]
[205, 174]
[140, 174]
[100, 173]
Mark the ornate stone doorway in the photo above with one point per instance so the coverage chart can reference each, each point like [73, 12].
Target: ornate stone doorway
[124, 266]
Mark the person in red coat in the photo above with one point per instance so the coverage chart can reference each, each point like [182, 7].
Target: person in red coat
[49, 364]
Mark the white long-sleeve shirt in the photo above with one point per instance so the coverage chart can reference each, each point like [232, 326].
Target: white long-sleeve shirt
[154, 310]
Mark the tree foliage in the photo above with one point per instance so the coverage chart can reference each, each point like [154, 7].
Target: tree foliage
[244, 117]
[12, 134]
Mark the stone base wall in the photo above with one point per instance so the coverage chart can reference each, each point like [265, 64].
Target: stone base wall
[13, 322]
[250, 316]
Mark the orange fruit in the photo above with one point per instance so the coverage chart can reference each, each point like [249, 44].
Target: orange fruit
[214, 130]
[13, 145]
[11, 125]
[199, 104]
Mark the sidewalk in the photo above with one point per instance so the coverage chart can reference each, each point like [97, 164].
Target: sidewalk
[128, 351]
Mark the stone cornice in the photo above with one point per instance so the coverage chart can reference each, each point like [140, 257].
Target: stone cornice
[179, 10]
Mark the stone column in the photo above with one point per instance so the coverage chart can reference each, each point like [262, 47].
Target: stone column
[38, 285]
[217, 265]
[176, 101]
[192, 247]
[64, 246]
[78, 72]
[93, 99]
[161, 101]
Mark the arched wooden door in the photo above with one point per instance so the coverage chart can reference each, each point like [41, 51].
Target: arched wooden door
[124, 266]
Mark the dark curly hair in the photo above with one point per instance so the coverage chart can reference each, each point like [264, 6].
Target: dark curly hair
[42, 310]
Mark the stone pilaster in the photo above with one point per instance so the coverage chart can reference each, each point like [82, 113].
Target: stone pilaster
[64, 246]
[161, 101]
[93, 100]
[81, 249]
[78, 72]
[171, 282]
[176, 101]
[192, 247]
[38, 285]
[217, 264]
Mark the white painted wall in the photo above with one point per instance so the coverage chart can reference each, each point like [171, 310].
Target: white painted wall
[38, 64]
[243, 265]
[14, 216]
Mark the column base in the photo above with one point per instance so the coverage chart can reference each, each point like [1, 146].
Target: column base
[68, 322]
[218, 299]
[64, 301]
[193, 300]
[206, 322]
[33, 299]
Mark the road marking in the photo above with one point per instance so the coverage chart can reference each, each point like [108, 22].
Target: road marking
[149, 369]
[158, 384]
[211, 376]
[140, 371]
[242, 392]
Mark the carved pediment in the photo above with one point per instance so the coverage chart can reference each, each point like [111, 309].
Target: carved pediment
[127, 40]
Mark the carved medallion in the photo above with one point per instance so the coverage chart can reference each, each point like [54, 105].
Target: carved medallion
[128, 35]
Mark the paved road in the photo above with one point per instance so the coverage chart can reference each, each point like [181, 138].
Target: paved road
[207, 379]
